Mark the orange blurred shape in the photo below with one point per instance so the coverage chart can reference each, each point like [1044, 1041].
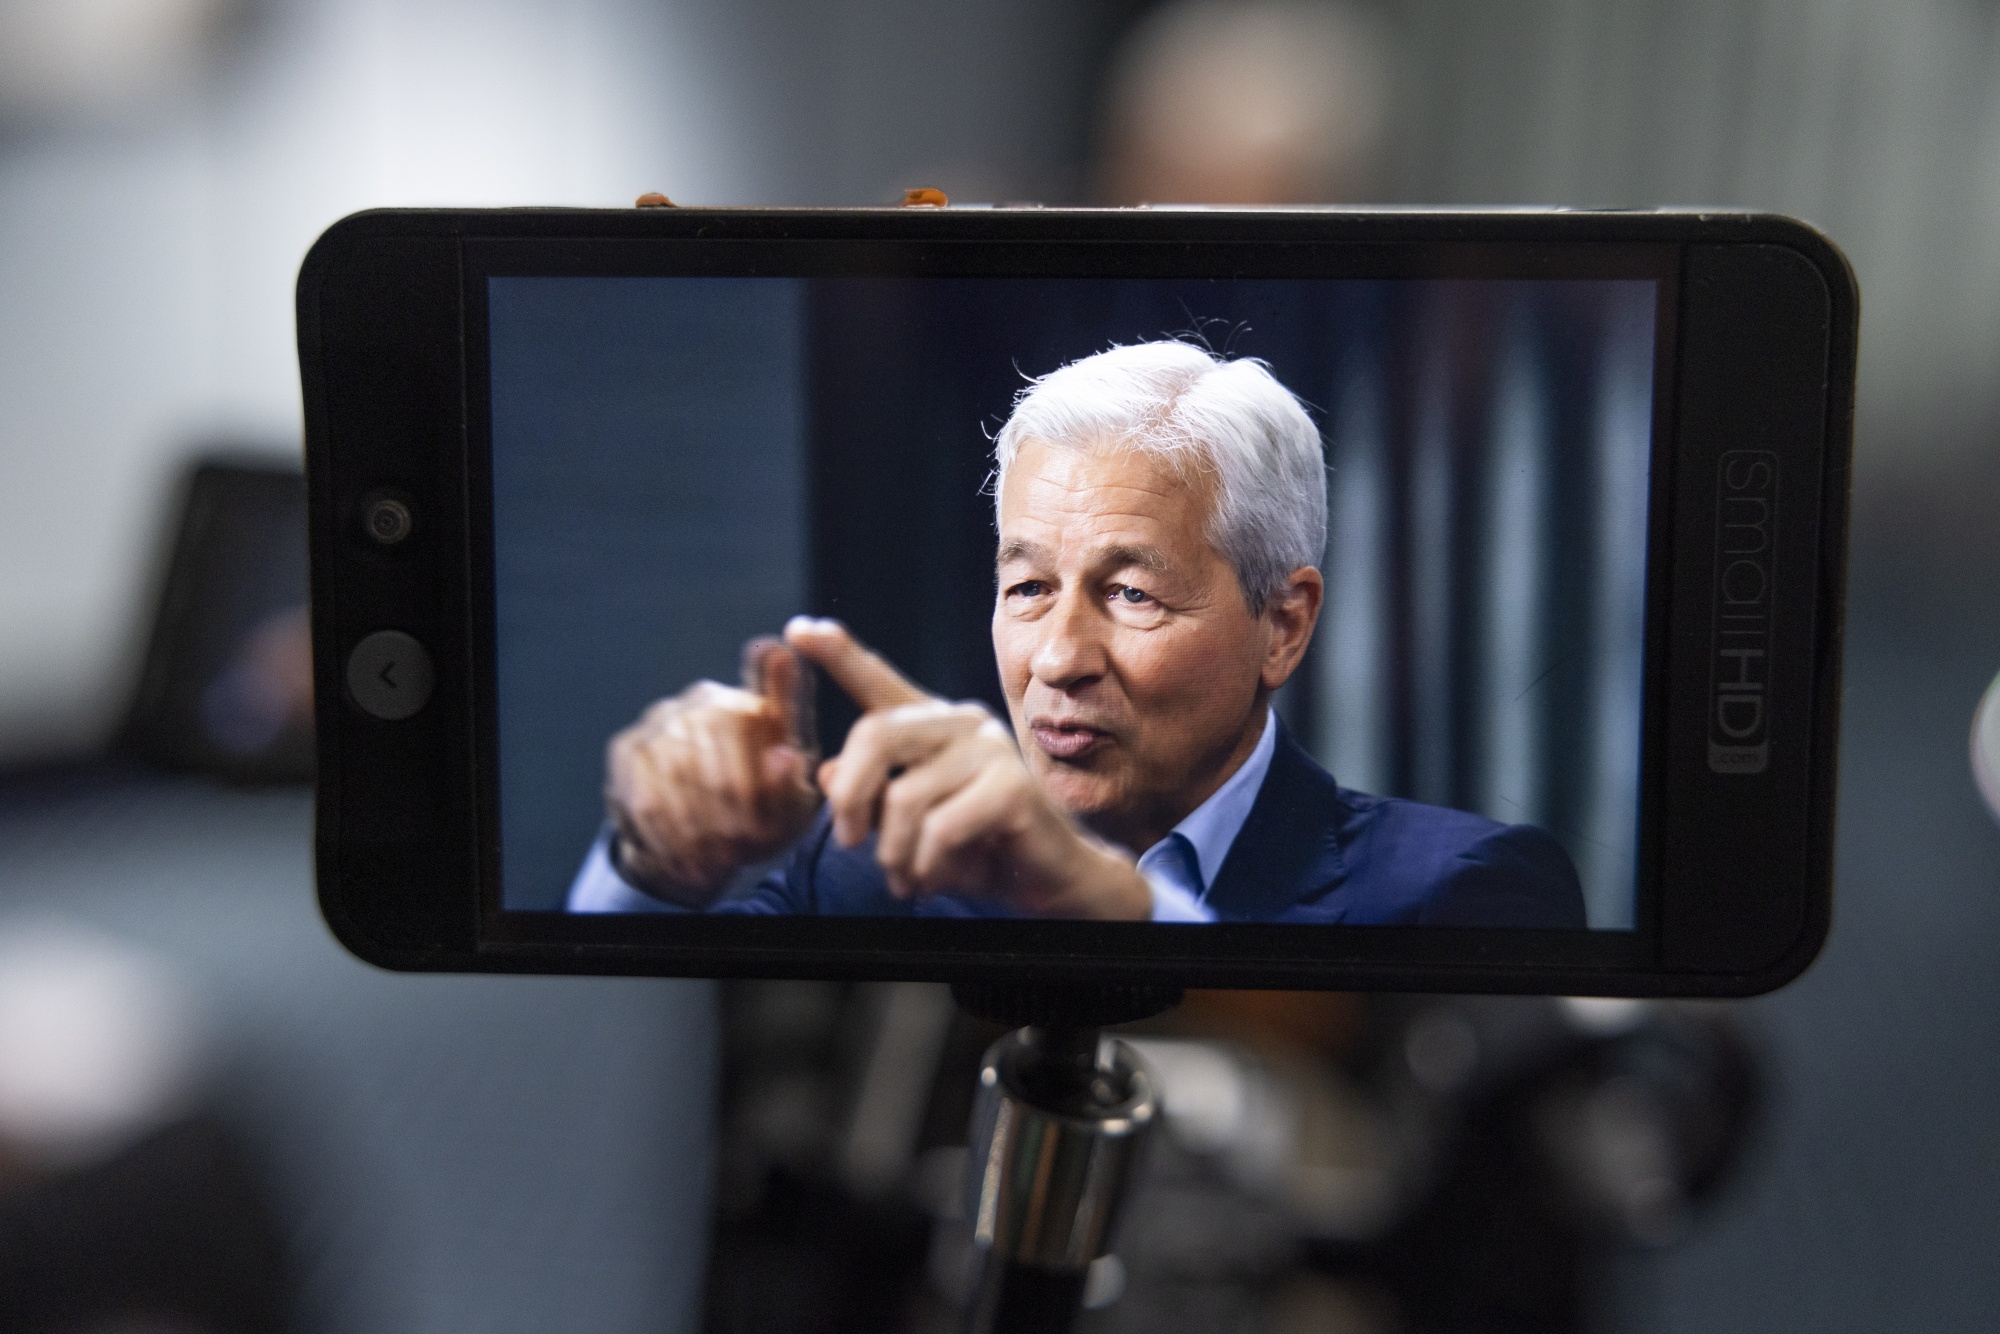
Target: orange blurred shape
[1321, 1021]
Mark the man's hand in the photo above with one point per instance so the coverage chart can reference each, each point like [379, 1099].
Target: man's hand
[953, 808]
[712, 780]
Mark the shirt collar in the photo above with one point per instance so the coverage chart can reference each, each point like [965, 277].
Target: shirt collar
[1211, 827]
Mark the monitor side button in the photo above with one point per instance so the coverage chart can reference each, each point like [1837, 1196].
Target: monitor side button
[389, 675]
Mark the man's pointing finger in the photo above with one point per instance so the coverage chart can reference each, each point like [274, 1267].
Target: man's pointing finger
[863, 674]
[773, 671]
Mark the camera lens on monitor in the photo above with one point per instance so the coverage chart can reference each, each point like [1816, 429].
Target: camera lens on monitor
[387, 519]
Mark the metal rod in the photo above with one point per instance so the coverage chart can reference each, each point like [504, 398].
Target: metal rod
[1061, 1118]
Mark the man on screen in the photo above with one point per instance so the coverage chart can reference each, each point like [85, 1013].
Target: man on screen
[1161, 514]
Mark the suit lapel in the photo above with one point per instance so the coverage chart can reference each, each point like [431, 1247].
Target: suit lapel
[1289, 846]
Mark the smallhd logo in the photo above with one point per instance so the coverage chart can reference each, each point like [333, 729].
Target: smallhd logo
[1739, 710]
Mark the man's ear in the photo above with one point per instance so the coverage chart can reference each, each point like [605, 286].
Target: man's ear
[1291, 612]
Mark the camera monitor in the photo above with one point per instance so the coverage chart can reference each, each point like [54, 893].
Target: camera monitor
[1302, 599]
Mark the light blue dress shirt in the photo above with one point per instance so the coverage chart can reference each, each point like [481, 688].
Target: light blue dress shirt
[1180, 869]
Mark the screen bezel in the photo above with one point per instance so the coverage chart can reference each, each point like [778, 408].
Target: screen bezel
[1046, 244]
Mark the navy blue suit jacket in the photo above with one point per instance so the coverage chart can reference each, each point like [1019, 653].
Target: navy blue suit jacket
[1309, 851]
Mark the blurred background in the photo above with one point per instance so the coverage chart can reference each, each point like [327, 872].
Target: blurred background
[211, 1119]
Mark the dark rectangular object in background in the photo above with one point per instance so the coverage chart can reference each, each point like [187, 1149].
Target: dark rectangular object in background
[227, 685]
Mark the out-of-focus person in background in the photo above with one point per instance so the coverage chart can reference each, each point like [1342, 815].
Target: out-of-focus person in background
[1246, 102]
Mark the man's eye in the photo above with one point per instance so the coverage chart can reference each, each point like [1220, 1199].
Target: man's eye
[1129, 595]
[1027, 588]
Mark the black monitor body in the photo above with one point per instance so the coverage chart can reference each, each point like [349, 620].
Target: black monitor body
[1735, 702]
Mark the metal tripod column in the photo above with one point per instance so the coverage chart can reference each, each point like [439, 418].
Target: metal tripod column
[1057, 1130]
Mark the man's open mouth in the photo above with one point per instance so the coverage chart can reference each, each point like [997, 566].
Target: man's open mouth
[1068, 741]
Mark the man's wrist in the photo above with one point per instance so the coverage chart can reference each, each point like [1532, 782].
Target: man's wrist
[630, 868]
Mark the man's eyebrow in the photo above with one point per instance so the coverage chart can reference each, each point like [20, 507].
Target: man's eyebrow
[1017, 549]
[1145, 557]
[1121, 556]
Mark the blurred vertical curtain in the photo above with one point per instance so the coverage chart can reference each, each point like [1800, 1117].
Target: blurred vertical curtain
[1483, 638]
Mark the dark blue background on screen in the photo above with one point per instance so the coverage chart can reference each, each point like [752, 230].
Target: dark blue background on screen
[649, 507]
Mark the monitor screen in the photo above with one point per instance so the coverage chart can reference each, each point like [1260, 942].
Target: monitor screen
[1321, 601]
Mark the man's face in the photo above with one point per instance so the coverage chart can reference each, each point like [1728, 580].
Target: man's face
[1131, 663]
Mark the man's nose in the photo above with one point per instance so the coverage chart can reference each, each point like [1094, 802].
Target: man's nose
[1071, 649]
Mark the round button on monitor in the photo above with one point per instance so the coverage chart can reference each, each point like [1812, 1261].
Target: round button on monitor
[389, 675]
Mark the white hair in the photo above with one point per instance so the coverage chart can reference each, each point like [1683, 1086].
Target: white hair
[1199, 413]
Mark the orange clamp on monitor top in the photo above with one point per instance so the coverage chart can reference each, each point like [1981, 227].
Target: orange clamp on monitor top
[652, 199]
[924, 196]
